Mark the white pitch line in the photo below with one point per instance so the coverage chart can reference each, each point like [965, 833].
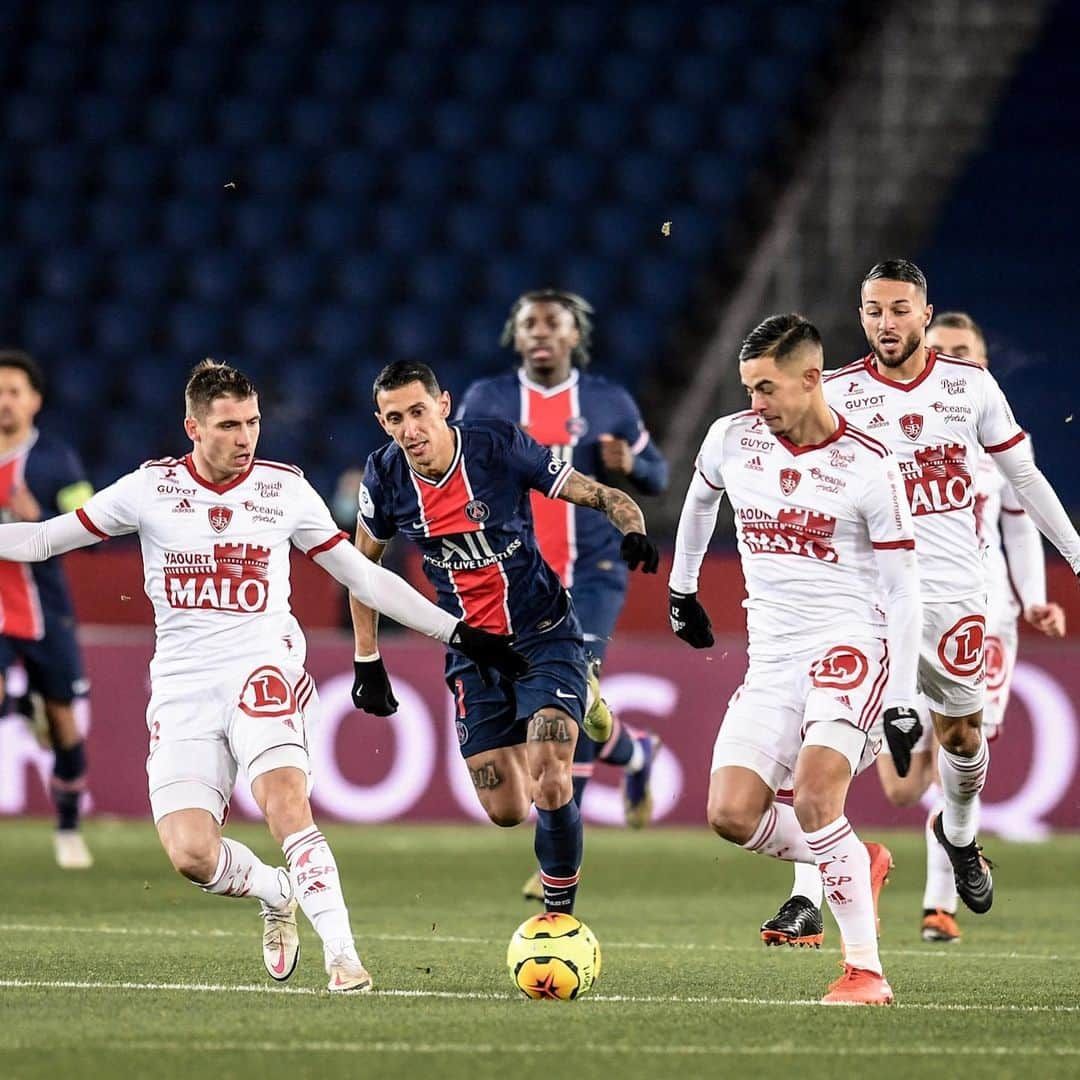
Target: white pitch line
[464, 995]
[449, 939]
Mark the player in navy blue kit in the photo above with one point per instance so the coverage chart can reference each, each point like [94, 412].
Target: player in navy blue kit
[41, 477]
[594, 424]
[460, 491]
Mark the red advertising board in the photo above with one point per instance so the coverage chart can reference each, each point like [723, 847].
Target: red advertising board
[408, 766]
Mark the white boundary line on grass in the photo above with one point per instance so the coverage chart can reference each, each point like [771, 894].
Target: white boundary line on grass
[465, 995]
[135, 931]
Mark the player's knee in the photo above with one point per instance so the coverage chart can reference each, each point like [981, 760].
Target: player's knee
[958, 736]
[194, 859]
[731, 822]
[553, 787]
[815, 809]
[507, 812]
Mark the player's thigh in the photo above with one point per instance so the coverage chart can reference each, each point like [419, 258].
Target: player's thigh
[190, 838]
[503, 786]
[553, 690]
[952, 674]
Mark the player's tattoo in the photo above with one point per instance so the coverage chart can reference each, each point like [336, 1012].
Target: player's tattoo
[549, 727]
[486, 777]
[621, 510]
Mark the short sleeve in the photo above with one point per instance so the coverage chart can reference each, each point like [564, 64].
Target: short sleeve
[885, 507]
[538, 467]
[372, 517]
[997, 427]
[115, 510]
[710, 456]
[314, 529]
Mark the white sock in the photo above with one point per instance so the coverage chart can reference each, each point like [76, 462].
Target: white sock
[844, 865]
[317, 886]
[940, 884]
[808, 882]
[240, 872]
[778, 834]
[962, 779]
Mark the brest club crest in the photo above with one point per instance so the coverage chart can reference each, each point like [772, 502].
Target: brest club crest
[219, 516]
[789, 480]
[911, 425]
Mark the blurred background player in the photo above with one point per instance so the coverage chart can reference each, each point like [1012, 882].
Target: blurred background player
[459, 491]
[595, 425]
[40, 477]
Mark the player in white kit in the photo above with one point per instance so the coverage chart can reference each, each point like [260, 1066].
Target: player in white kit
[228, 685]
[833, 621]
[940, 414]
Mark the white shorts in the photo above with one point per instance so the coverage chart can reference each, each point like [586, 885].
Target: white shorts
[768, 717]
[952, 675]
[1001, 642]
[200, 734]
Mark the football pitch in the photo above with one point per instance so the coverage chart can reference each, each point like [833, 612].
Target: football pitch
[127, 971]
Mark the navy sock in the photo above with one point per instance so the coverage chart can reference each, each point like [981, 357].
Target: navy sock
[68, 781]
[558, 846]
[622, 747]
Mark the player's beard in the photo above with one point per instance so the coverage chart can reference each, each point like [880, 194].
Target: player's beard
[911, 343]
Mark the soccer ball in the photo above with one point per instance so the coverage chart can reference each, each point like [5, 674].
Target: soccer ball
[553, 956]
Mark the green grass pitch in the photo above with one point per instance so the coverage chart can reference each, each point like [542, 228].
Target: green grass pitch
[127, 971]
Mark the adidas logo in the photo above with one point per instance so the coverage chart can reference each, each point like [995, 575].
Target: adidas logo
[837, 897]
[183, 507]
[844, 700]
[877, 421]
[314, 888]
[755, 463]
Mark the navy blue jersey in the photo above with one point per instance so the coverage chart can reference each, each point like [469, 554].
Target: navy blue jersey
[570, 418]
[474, 525]
[52, 472]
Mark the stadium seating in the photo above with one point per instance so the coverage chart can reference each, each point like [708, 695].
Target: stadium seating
[314, 190]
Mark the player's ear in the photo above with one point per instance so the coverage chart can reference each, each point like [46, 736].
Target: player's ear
[929, 314]
[444, 404]
[382, 424]
[191, 426]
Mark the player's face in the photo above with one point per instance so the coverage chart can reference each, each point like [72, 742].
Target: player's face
[416, 421]
[958, 341]
[224, 440]
[780, 395]
[19, 401]
[894, 316]
[545, 336]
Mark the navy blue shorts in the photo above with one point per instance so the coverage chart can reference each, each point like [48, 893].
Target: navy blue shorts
[490, 717]
[53, 664]
[598, 600]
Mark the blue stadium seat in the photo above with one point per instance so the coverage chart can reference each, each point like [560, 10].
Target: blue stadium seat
[459, 125]
[557, 77]
[291, 276]
[125, 67]
[342, 329]
[151, 381]
[309, 384]
[674, 128]
[483, 74]
[592, 277]
[509, 275]
[314, 123]
[332, 225]
[700, 78]
[771, 82]
[342, 72]
[498, 176]
[143, 275]
[52, 68]
[50, 327]
[412, 77]
[643, 177]
[57, 168]
[431, 26]
[77, 384]
[724, 29]
[363, 278]
[531, 126]
[272, 329]
[205, 170]
[31, 118]
[199, 330]
[615, 231]
[134, 168]
[423, 175]
[403, 227]
[13, 267]
[652, 29]
[581, 28]
[139, 21]
[547, 228]
[629, 77]
[191, 224]
[476, 227]
[46, 222]
[632, 335]
[439, 278]
[287, 23]
[69, 273]
[480, 331]
[506, 26]
[386, 124]
[174, 121]
[359, 25]
[284, 435]
[602, 126]
[347, 439]
[103, 118]
[63, 21]
[693, 230]
[218, 277]
[716, 179]
[244, 121]
[199, 72]
[414, 331]
[120, 223]
[661, 284]
[278, 170]
[801, 29]
[573, 177]
[263, 224]
[272, 70]
[123, 328]
[213, 24]
[743, 129]
[351, 174]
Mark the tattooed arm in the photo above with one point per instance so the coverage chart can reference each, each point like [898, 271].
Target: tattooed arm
[625, 514]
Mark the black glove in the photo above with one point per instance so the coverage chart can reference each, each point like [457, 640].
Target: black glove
[371, 690]
[489, 651]
[902, 731]
[638, 548]
[689, 619]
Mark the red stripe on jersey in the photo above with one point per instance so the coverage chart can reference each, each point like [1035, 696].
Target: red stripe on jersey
[708, 481]
[893, 545]
[1010, 510]
[88, 525]
[949, 359]
[847, 369]
[326, 545]
[868, 441]
[280, 465]
[1019, 437]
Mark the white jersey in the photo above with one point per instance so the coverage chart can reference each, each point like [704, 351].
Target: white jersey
[216, 559]
[992, 492]
[937, 426]
[808, 519]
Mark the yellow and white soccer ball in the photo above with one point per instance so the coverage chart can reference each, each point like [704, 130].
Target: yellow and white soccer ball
[554, 957]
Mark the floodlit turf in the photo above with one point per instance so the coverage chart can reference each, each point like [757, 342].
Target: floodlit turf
[125, 970]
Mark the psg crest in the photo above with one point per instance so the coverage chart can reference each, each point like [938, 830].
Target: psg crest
[911, 425]
[789, 480]
[475, 510]
[219, 516]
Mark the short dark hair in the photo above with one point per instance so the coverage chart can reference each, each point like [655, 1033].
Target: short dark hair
[24, 362]
[897, 270]
[578, 306]
[779, 336]
[959, 320]
[210, 380]
[401, 373]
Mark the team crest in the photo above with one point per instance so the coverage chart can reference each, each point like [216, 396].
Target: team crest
[911, 425]
[789, 480]
[477, 511]
[219, 516]
[576, 427]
